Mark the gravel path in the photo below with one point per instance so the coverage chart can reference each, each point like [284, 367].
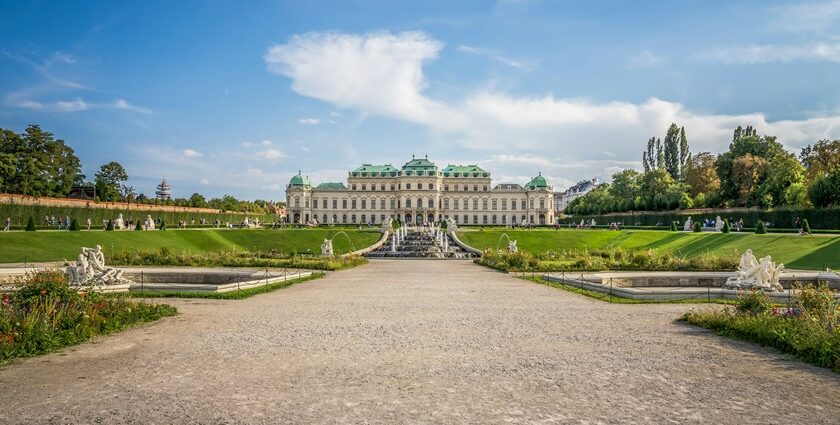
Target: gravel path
[418, 342]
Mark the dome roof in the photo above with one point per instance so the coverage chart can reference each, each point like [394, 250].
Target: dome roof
[537, 182]
[299, 180]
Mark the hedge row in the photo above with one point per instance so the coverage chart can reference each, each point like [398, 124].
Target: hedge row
[818, 218]
[21, 213]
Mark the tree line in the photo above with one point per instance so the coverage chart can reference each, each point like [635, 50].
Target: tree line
[756, 171]
[35, 163]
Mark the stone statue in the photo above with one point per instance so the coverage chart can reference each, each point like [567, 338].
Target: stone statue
[386, 226]
[756, 274]
[149, 224]
[119, 223]
[688, 226]
[327, 248]
[718, 224]
[90, 269]
[246, 222]
[512, 246]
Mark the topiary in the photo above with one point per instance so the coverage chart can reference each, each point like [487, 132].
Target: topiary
[674, 226]
[725, 228]
[110, 226]
[805, 227]
[74, 225]
[30, 224]
[697, 227]
[760, 228]
[138, 226]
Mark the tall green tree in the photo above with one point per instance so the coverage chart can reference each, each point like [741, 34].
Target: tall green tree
[197, 201]
[109, 180]
[672, 151]
[821, 159]
[685, 154]
[40, 164]
[749, 174]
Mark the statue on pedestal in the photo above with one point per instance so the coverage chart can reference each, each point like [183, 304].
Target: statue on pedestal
[688, 226]
[327, 248]
[119, 223]
[756, 274]
[512, 246]
[149, 224]
[718, 224]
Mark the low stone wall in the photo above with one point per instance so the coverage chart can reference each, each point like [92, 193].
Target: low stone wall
[373, 247]
[463, 246]
[700, 279]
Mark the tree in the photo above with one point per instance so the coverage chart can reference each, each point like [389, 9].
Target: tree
[784, 181]
[40, 165]
[697, 227]
[109, 180]
[825, 191]
[672, 151]
[626, 187]
[685, 154]
[648, 157]
[197, 201]
[700, 174]
[760, 228]
[655, 186]
[820, 159]
[734, 179]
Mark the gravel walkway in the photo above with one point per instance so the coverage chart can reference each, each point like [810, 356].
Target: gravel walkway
[418, 342]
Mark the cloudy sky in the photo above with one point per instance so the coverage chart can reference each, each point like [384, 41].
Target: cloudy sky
[236, 97]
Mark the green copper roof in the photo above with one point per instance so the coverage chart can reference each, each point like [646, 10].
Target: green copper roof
[465, 170]
[299, 180]
[537, 182]
[420, 164]
[375, 168]
[332, 186]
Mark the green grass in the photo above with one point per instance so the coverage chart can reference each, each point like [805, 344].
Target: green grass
[232, 295]
[799, 252]
[18, 247]
[615, 299]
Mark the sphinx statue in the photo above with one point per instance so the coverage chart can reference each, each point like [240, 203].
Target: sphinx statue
[756, 274]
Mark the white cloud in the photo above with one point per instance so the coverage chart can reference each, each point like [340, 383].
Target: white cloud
[70, 105]
[644, 59]
[770, 53]
[189, 153]
[334, 114]
[382, 74]
[309, 121]
[30, 104]
[809, 17]
[270, 154]
[123, 104]
[494, 55]
[204, 181]
[265, 142]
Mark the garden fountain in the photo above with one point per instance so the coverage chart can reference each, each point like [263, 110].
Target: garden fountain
[419, 242]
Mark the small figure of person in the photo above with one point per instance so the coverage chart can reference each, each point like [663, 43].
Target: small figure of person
[8, 224]
[89, 222]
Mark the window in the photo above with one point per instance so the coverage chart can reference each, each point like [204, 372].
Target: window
[382, 187]
[353, 218]
[484, 204]
[335, 204]
[466, 188]
[495, 204]
[408, 203]
[504, 219]
[392, 186]
[382, 218]
[324, 204]
[408, 186]
[306, 202]
[524, 206]
[446, 203]
[364, 205]
[531, 203]
[485, 188]
[364, 218]
[419, 202]
[475, 203]
[466, 219]
[325, 219]
[392, 203]
[297, 201]
[484, 219]
[475, 219]
[431, 186]
[446, 188]
[353, 187]
[504, 205]
[373, 186]
[431, 203]
[364, 186]
[344, 218]
[455, 204]
[475, 188]
[353, 206]
[344, 207]
[542, 203]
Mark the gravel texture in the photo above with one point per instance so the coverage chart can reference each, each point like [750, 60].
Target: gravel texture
[418, 342]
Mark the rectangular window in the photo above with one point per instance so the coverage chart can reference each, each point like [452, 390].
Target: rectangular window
[364, 218]
[495, 204]
[353, 205]
[353, 186]
[373, 186]
[297, 202]
[456, 202]
[504, 205]
[513, 204]
[485, 188]
[393, 201]
[446, 203]
[475, 219]
[324, 203]
[364, 186]
[353, 218]
[382, 187]
[542, 203]
[335, 204]
[524, 205]
[431, 186]
[392, 186]
[475, 204]
[446, 188]
[408, 186]
[475, 188]
[484, 204]
[344, 204]
[364, 205]
[531, 203]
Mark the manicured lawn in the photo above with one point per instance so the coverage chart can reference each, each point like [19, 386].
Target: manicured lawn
[54, 246]
[799, 252]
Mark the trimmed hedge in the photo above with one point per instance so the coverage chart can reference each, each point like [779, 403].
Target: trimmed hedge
[783, 218]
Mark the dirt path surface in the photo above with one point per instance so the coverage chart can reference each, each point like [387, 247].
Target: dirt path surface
[417, 342]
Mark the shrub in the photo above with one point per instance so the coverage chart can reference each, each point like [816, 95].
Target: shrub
[760, 228]
[138, 226]
[74, 225]
[818, 303]
[673, 226]
[110, 226]
[162, 225]
[698, 227]
[806, 227]
[754, 302]
[725, 228]
[30, 224]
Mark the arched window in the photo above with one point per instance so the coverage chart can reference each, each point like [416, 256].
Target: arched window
[408, 203]
[431, 203]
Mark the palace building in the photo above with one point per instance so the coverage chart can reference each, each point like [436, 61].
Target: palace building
[419, 192]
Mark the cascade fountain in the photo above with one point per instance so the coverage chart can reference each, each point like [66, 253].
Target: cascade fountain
[419, 242]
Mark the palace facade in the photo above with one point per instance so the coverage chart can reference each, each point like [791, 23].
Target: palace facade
[419, 192]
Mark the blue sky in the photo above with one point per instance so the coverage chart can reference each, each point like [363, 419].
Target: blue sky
[235, 97]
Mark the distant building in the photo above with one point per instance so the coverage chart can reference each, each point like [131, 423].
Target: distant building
[562, 200]
[419, 192]
[82, 192]
[163, 191]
